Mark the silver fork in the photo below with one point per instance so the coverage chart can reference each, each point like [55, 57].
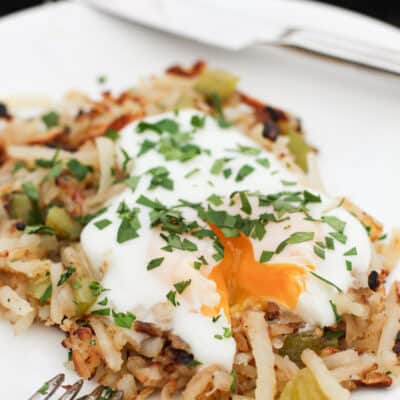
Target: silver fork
[49, 388]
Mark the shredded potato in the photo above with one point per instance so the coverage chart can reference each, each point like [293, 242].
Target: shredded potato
[105, 148]
[111, 356]
[388, 360]
[326, 381]
[257, 332]
[12, 301]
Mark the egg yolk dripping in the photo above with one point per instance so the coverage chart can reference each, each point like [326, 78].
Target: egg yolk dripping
[241, 278]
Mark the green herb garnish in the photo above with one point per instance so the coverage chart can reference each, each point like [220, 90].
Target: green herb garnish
[103, 223]
[181, 286]
[112, 134]
[51, 119]
[66, 275]
[154, 263]
[335, 312]
[266, 256]
[351, 252]
[31, 191]
[295, 238]
[328, 282]
[124, 320]
[243, 172]
[79, 170]
[46, 294]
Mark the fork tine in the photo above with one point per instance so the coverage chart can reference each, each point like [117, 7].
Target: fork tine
[72, 391]
[95, 395]
[117, 396]
[48, 388]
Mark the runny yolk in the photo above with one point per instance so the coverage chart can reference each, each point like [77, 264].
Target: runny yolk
[241, 278]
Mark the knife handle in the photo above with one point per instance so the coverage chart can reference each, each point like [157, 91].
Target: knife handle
[344, 49]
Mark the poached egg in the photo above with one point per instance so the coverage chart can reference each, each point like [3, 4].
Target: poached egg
[216, 224]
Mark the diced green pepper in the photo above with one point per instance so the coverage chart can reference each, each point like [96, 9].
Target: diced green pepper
[294, 345]
[64, 226]
[84, 295]
[299, 149]
[303, 387]
[20, 207]
[217, 82]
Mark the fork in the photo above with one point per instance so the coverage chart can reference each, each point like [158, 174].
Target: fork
[49, 388]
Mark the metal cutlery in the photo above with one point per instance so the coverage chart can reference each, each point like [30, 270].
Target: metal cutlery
[50, 389]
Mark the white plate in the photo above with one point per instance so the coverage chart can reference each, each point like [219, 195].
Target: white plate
[352, 116]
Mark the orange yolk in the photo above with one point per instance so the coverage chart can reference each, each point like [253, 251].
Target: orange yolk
[240, 277]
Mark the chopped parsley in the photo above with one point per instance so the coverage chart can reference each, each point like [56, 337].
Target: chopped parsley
[146, 146]
[319, 252]
[194, 363]
[181, 286]
[227, 173]
[351, 252]
[192, 172]
[17, 166]
[31, 191]
[112, 134]
[55, 171]
[311, 197]
[295, 238]
[51, 119]
[124, 320]
[164, 125]
[288, 183]
[349, 265]
[340, 237]
[198, 121]
[382, 237]
[41, 162]
[215, 200]
[337, 224]
[227, 333]
[171, 296]
[220, 117]
[248, 150]
[46, 294]
[132, 182]
[103, 223]
[96, 288]
[175, 242]
[79, 170]
[243, 172]
[160, 177]
[335, 312]
[154, 263]
[102, 79]
[40, 228]
[246, 206]
[103, 302]
[216, 318]
[263, 162]
[66, 275]
[326, 281]
[234, 382]
[127, 158]
[130, 223]
[266, 256]
[101, 311]
[218, 165]
[330, 244]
